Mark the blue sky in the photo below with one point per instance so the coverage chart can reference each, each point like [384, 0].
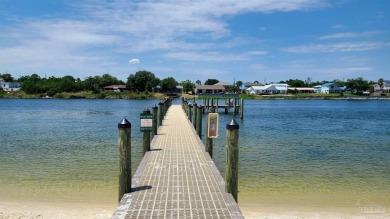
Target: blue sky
[264, 40]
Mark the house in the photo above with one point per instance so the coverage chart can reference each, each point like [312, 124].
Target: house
[9, 86]
[209, 89]
[268, 89]
[115, 88]
[227, 86]
[304, 90]
[328, 88]
[386, 87]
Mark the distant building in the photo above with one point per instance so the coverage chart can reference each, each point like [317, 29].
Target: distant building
[268, 89]
[209, 89]
[327, 88]
[9, 86]
[115, 88]
[386, 87]
[302, 89]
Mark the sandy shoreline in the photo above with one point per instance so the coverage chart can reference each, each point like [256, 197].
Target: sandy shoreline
[10, 209]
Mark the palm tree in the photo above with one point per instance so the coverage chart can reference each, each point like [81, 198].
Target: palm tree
[381, 82]
[198, 82]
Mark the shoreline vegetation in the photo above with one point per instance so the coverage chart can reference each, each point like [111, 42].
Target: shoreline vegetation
[155, 95]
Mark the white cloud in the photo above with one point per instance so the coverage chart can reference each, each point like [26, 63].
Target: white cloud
[349, 35]
[338, 26]
[134, 61]
[336, 47]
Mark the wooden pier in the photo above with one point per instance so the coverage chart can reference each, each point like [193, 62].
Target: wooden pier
[177, 178]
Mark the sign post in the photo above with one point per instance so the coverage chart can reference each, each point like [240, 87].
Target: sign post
[146, 127]
[212, 125]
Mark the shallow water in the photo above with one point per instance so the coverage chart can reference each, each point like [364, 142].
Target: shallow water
[306, 152]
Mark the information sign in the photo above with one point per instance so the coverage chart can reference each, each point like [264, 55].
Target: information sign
[146, 122]
[212, 125]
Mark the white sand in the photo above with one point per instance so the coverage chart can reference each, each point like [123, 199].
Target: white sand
[56, 210]
[82, 210]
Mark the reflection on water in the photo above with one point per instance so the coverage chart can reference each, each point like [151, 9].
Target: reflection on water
[309, 152]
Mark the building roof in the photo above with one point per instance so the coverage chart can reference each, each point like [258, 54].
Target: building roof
[209, 87]
[115, 87]
[328, 84]
[223, 84]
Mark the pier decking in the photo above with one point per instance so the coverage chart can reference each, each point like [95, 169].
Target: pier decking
[177, 179]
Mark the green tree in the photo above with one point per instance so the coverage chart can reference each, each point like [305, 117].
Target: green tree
[107, 80]
[142, 81]
[357, 85]
[211, 81]
[381, 82]
[296, 83]
[239, 83]
[168, 84]
[92, 84]
[32, 84]
[188, 86]
[198, 82]
[7, 77]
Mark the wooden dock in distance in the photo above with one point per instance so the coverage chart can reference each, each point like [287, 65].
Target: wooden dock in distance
[177, 179]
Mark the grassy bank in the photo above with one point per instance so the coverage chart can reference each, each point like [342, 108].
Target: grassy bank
[86, 95]
[151, 95]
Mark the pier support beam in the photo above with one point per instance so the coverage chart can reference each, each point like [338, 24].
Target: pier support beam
[231, 175]
[124, 140]
[242, 108]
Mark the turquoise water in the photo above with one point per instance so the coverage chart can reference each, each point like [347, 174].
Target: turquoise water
[321, 152]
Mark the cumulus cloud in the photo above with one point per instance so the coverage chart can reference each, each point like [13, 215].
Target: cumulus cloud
[134, 61]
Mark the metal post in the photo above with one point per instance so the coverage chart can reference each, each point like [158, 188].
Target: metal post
[124, 140]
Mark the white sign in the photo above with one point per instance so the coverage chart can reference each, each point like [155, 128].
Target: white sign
[146, 123]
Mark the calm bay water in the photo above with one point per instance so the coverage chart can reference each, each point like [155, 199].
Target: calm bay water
[312, 152]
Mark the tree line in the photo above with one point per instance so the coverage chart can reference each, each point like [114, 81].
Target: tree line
[146, 81]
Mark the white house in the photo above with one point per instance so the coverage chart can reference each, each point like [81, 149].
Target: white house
[328, 88]
[268, 89]
[386, 86]
[9, 86]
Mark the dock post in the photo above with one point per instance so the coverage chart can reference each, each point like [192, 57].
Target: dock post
[194, 120]
[212, 105]
[199, 121]
[242, 108]
[209, 141]
[231, 175]
[189, 111]
[160, 113]
[154, 109]
[235, 106]
[146, 137]
[124, 140]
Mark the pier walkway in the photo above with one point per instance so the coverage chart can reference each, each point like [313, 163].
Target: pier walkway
[177, 179]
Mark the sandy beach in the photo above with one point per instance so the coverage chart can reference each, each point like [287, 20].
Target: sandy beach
[10, 209]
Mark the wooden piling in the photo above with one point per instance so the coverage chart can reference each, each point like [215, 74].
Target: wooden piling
[242, 108]
[146, 136]
[124, 140]
[154, 110]
[194, 120]
[160, 113]
[189, 111]
[231, 175]
[209, 141]
[199, 121]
